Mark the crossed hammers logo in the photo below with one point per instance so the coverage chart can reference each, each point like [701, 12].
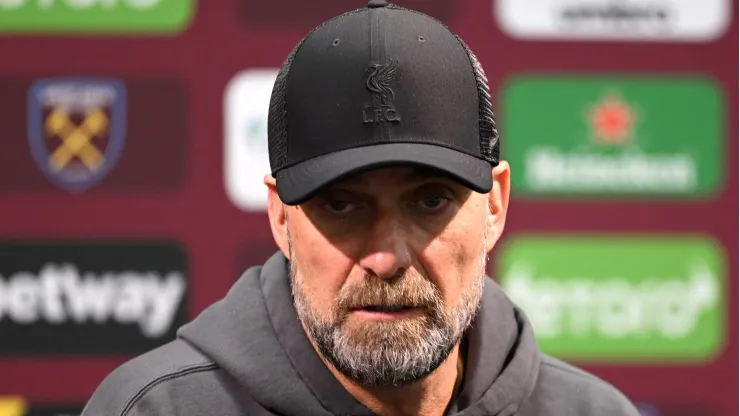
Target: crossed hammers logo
[76, 139]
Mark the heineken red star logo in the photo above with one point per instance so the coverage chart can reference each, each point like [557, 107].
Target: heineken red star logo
[612, 119]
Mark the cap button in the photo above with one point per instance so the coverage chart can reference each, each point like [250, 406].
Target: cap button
[377, 3]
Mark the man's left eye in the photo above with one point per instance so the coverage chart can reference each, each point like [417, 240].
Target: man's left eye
[433, 203]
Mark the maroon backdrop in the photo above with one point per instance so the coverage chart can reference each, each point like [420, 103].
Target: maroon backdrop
[175, 189]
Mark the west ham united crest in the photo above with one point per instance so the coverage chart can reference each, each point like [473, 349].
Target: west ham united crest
[77, 129]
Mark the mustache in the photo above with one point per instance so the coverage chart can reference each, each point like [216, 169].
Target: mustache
[409, 290]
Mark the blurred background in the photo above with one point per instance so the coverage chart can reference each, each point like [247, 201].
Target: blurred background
[134, 143]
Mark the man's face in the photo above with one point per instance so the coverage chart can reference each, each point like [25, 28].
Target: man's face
[387, 270]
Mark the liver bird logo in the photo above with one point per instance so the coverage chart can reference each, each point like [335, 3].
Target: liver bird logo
[379, 80]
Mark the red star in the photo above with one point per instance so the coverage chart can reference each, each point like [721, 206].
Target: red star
[612, 120]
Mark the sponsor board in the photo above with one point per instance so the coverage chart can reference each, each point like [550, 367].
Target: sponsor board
[54, 411]
[601, 136]
[90, 298]
[93, 134]
[651, 409]
[619, 298]
[614, 20]
[96, 16]
[19, 406]
[307, 15]
[247, 102]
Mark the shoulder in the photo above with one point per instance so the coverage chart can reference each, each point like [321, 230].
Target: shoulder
[565, 389]
[144, 376]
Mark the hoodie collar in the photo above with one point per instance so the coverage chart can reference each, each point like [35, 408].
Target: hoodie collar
[503, 357]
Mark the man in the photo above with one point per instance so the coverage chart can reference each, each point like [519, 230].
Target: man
[386, 195]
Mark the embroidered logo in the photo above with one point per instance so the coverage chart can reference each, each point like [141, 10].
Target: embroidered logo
[378, 82]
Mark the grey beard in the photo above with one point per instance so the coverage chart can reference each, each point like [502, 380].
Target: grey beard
[394, 357]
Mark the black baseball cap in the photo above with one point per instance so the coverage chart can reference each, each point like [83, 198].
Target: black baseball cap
[376, 87]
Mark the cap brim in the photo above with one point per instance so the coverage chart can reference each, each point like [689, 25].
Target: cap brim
[298, 183]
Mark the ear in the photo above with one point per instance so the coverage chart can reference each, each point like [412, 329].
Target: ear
[498, 203]
[278, 217]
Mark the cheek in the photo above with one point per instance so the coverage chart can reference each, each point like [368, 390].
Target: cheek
[452, 261]
[322, 268]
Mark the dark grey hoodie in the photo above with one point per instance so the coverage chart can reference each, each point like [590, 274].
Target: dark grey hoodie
[247, 354]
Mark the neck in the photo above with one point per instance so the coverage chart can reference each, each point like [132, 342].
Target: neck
[428, 396]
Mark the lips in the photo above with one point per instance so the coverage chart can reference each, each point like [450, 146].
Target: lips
[386, 308]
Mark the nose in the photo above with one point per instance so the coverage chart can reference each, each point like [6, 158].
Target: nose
[386, 252]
